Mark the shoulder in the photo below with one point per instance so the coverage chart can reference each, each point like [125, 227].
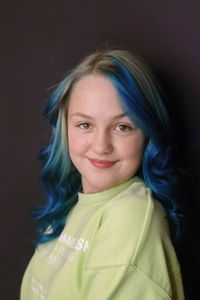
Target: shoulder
[134, 232]
[126, 222]
[137, 211]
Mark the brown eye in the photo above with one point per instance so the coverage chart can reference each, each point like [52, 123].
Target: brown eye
[84, 125]
[123, 128]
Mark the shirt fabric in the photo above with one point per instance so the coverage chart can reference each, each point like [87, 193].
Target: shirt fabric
[115, 246]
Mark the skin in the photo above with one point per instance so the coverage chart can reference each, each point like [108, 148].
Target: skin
[104, 144]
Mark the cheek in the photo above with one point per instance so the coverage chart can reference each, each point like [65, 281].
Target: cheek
[72, 141]
[132, 149]
[77, 143]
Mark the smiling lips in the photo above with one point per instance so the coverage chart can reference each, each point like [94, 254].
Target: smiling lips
[102, 164]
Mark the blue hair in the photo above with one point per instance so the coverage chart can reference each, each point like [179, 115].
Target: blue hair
[60, 179]
[140, 99]
[149, 113]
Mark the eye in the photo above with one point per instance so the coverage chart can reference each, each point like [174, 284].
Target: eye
[84, 125]
[123, 128]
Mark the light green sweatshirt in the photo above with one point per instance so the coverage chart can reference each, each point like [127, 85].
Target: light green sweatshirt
[115, 245]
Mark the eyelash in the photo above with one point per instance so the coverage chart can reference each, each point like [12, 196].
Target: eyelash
[127, 127]
[82, 124]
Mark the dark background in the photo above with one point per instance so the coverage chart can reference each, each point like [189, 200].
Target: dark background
[39, 42]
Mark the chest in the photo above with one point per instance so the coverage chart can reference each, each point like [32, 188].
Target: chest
[56, 270]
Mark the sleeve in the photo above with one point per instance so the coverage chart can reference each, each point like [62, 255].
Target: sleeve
[124, 262]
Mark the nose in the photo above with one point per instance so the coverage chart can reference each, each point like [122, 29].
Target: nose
[102, 143]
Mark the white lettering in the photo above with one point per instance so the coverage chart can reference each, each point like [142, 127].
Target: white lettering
[38, 289]
[62, 238]
[86, 245]
[74, 243]
[79, 244]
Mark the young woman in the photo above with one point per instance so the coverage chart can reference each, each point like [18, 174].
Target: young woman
[111, 186]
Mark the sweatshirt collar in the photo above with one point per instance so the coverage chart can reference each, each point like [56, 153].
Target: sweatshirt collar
[85, 199]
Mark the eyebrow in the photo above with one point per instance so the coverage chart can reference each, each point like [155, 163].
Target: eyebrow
[79, 114]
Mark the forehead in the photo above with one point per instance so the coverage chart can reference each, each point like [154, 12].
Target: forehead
[94, 90]
[91, 82]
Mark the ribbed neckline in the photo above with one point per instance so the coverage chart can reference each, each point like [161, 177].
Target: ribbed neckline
[86, 199]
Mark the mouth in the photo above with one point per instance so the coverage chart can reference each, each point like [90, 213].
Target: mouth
[101, 164]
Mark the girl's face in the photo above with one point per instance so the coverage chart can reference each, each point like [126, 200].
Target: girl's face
[104, 144]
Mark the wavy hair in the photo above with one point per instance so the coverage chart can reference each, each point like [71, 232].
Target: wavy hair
[140, 97]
